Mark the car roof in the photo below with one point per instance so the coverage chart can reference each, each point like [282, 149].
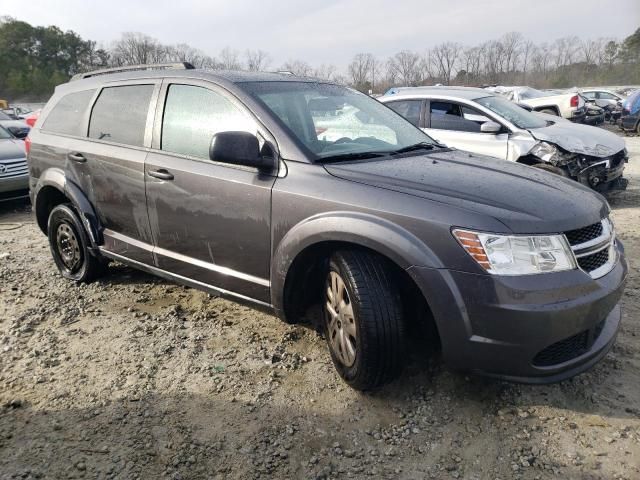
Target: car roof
[222, 77]
[469, 93]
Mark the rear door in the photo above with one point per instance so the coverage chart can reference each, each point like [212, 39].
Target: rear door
[119, 132]
[458, 125]
[211, 221]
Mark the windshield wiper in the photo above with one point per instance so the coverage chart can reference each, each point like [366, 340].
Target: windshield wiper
[352, 156]
[418, 146]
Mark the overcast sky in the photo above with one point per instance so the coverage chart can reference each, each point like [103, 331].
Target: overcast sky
[330, 31]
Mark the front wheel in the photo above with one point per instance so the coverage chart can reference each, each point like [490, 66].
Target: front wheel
[364, 324]
[70, 246]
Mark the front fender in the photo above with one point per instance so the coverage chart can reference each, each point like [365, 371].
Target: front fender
[375, 233]
[56, 178]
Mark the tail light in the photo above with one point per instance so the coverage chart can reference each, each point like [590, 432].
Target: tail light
[574, 101]
[27, 145]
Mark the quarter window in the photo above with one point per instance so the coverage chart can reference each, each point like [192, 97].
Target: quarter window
[67, 115]
[120, 114]
[192, 115]
[409, 109]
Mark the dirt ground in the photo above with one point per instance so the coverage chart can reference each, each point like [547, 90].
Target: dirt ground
[135, 377]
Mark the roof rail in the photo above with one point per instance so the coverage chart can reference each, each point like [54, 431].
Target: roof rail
[129, 68]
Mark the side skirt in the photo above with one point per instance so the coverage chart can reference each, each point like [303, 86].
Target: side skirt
[235, 297]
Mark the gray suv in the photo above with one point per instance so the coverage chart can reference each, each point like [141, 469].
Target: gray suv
[317, 203]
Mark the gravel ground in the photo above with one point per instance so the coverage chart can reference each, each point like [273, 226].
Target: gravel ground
[134, 377]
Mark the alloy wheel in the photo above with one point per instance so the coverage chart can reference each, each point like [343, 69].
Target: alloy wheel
[340, 318]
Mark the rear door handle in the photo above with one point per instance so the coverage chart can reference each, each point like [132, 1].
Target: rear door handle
[77, 157]
[162, 174]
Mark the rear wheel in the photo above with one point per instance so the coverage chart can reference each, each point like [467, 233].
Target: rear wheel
[69, 246]
[363, 319]
[549, 111]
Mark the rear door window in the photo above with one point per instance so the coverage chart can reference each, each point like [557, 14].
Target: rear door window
[409, 109]
[192, 115]
[67, 116]
[120, 114]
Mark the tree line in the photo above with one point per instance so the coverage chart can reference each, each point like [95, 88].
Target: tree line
[33, 60]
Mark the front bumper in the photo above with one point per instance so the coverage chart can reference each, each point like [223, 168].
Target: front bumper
[14, 187]
[506, 326]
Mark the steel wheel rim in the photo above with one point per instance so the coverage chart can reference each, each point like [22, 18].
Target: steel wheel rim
[340, 319]
[68, 247]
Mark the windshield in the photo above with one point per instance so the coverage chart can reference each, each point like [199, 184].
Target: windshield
[527, 93]
[334, 121]
[515, 114]
[4, 135]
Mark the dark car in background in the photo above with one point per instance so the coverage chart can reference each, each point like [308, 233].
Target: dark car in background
[18, 128]
[630, 119]
[227, 182]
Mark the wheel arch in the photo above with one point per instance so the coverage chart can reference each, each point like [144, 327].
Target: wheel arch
[548, 107]
[303, 252]
[53, 188]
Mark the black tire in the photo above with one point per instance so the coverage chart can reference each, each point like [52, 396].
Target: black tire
[551, 169]
[549, 111]
[69, 246]
[377, 316]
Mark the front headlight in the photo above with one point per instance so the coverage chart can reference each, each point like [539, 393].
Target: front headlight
[545, 151]
[517, 254]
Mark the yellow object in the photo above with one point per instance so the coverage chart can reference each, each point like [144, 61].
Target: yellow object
[4, 104]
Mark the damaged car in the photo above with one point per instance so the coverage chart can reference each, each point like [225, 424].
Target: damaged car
[482, 122]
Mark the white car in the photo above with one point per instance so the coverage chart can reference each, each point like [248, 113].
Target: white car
[568, 105]
[602, 97]
[482, 122]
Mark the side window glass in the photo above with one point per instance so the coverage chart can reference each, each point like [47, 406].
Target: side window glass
[409, 109]
[448, 116]
[474, 115]
[120, 114]
[66, 116]
[192, 115]
[590, 95]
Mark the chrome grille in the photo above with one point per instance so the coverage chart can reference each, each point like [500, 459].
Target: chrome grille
[13, 167]
[594, 247]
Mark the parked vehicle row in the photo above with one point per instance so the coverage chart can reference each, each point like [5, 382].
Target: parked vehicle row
[479, 121]
[18, 128]
[316, 202]
[568, 105]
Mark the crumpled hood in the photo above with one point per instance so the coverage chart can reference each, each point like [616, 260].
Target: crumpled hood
[11, 149]
[583, 139]
[524, 199]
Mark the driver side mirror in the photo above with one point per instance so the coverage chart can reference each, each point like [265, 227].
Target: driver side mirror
[239, 148]
[490, 127]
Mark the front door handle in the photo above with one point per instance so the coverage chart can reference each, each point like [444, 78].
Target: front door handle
[77, 157]
[162, 174]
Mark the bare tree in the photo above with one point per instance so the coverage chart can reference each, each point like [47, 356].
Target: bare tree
[229, 59]
[298, 67]
[257, 60]
[325, 72]
[445, 57]
[361, 71]
[136, 48]
[404, 67]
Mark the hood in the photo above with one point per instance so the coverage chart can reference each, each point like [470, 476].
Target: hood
[11, 149]
[583, 139]
[524, 199]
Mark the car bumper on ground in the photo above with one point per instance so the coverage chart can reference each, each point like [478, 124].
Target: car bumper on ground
[533, 329]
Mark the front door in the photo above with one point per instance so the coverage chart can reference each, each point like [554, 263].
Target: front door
[210, 221]
[458, 126]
